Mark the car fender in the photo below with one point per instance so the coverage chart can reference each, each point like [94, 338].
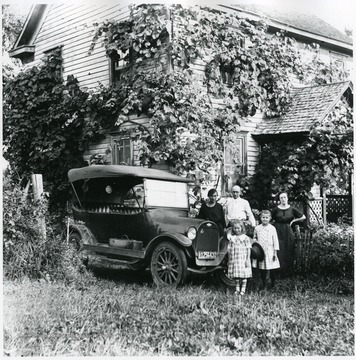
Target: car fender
[85, 233]
[175, 238]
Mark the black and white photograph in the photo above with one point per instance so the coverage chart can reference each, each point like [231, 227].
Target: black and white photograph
[177, 178]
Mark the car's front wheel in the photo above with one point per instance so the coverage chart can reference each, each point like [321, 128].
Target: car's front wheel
[221, 275]
[168, 265]
[222, 278]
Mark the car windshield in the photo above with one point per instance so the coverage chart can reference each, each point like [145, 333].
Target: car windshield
[160, 193]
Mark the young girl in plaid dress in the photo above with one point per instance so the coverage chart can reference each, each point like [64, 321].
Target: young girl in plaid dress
[239, 248]
[266, 235]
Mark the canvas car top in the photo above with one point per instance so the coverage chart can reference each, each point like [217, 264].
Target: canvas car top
[104, 171]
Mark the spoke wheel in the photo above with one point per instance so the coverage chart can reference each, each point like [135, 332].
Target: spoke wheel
[222, 278]
[76, 243]
[168, 265]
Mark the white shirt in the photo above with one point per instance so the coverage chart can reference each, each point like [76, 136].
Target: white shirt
[239, 209]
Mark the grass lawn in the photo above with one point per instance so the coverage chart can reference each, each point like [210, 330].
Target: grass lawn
[124, 314]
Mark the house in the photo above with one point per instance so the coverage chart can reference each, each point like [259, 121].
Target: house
[69, 26]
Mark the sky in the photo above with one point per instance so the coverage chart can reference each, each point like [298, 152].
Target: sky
[339, 13]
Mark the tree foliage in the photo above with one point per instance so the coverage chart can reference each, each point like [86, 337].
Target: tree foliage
[11, 28]
[43, 124]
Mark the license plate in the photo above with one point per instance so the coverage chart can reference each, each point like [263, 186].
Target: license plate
[207, 255]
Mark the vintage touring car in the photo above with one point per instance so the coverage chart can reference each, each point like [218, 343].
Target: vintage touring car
[140, 217]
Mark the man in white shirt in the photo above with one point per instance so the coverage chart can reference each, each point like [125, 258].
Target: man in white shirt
[237, 208]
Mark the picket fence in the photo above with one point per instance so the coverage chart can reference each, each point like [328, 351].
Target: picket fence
[304, 247]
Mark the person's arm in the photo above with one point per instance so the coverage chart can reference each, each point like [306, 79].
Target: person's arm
[201, 214]
[298, 216]
[249, 214]
[248, 258]
[226, 210]
[275, 244]
[222, 216]
[255, 235]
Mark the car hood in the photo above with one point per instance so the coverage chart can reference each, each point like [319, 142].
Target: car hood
[173, 221]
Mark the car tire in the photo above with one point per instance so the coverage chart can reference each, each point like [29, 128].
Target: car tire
[222, 278]
[76, 243]
[168, 265]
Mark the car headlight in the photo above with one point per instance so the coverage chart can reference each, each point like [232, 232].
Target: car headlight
[192, 233]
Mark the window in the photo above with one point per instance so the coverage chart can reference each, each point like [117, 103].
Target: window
[118, 63]
[227, 72]
[235, 156]
[122, 151]
[339, 59]
[57, 50]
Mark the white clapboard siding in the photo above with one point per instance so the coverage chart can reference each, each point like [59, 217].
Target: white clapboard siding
[104, 145]
[71, 27]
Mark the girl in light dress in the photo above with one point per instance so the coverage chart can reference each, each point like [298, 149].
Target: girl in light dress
[239, 249]
[266, 235]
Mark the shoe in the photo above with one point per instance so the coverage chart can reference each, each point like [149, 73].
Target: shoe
[236, 293]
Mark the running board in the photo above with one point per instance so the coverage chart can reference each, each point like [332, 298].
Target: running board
[206, 270]
[106, 249]
[108, 262]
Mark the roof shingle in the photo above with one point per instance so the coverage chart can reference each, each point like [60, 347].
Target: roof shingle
[308, 105]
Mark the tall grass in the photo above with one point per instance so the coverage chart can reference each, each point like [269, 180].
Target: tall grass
[113, 317]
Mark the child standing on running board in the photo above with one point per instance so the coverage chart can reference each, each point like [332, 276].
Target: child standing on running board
[239, 249]
[266, 235]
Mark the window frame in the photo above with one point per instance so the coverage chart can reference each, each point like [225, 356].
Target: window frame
[115, 154]
[230, 166]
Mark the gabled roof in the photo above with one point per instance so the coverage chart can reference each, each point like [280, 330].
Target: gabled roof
[25, 42]
[308, 105]
[308, 23]
[293, 19]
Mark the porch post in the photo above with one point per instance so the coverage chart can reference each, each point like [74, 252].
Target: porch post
[37, 187]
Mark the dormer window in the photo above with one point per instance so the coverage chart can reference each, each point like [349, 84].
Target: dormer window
[120, 61]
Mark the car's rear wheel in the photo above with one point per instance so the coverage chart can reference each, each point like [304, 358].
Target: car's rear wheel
[168, 265]
[76, 243]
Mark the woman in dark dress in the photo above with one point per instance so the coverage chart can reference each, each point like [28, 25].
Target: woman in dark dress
[213, 211]
[283, 216]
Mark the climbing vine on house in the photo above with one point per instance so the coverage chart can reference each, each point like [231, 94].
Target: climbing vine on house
[257, 70]
[324, 157]
[42, 125]
[48, 122]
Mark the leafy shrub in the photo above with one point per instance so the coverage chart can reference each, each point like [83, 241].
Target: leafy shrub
[333, 252]
[26, 250]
